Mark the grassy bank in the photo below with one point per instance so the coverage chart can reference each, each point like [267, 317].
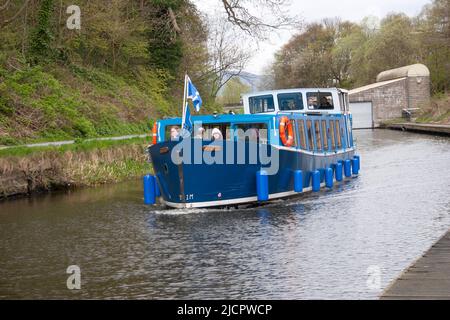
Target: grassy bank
[438, 111]
[26, 171]
[61, 102]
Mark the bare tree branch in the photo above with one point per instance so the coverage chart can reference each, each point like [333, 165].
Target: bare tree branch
[227, 56]
[278, 18]
[3, 7]
[7, 21]
[173, 19]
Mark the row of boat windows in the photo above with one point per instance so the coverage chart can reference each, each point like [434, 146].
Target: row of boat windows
[321, 135]
[291, 102]
[255, 132]
[312, 135]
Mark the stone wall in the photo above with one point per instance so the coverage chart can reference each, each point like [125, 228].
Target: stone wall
[406, 87]
[388, 100]
[418, 91]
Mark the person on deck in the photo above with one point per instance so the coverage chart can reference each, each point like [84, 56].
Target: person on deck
[324, 103]
[174, 133]
[200, 132]
[216, 134]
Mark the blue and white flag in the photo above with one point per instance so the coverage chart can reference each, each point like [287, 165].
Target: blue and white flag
[194, 95]
[187, 125]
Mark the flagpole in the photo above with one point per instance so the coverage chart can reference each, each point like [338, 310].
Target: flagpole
[184, 101]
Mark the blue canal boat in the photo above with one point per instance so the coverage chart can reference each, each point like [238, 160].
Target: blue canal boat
[285, 143]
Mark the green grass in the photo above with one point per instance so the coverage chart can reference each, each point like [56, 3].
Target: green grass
[56, 102]
[438, 111]
[78, 146]
[121, 171]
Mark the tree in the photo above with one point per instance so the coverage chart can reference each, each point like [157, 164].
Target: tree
[319, 56]
[232, 92]
[42, 36]
[434, 34]
[227, 55]
[18, 12]
[274, 14]
[111, 37]
[393, 46]
[164, 40]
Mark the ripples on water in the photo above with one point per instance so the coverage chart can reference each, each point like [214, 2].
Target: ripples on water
[312, 246]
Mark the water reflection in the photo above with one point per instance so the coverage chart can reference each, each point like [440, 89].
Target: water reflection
[311, 246]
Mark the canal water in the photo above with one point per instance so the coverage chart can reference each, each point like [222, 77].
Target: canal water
[349, 242]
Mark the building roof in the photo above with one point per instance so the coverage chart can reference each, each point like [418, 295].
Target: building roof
[414, 70]
[373, 86]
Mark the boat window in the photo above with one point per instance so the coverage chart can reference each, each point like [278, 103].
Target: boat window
[338, 135]
[261, 104]
[318, 136]
[220, 130]
[325, 134]
[301, 133]
[290, 101]
[294, 127]
[342, 101]
[349, 129]
[310, 135]
[256, 132]
[331, 134]
[172, 132]
[343, 135]
[320, 101]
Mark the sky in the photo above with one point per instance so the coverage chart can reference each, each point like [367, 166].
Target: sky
[315, 10]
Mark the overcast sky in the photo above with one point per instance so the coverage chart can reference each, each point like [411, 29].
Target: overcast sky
[314, 10]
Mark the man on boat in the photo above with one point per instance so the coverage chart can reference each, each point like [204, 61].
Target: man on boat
[324, 103]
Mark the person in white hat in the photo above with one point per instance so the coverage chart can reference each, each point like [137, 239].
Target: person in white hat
[216, 134]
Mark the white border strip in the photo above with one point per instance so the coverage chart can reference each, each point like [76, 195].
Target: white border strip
[234, 201]
[319, 154]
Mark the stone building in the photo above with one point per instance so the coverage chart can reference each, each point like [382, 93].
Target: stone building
[395, 92]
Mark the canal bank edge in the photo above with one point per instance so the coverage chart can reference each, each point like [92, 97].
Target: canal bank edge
[439, 129]
[51, 170]
[428, 277]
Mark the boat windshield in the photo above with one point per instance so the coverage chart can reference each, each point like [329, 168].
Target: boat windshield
[290, 101]
[320, 101]
[261, 104]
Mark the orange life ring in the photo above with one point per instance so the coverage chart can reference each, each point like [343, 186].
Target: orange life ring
[286, 123]
[155, 133]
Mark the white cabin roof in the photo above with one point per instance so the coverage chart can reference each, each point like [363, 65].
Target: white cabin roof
[266, 92]
[338, 103]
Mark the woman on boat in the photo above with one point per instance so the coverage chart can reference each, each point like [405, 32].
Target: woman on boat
[174, 133]
[216, 134]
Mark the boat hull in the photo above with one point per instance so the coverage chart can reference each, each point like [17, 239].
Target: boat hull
[232, 181]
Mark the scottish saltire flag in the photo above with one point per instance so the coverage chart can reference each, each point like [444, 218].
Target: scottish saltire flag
[187, 125]
[194, 95]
